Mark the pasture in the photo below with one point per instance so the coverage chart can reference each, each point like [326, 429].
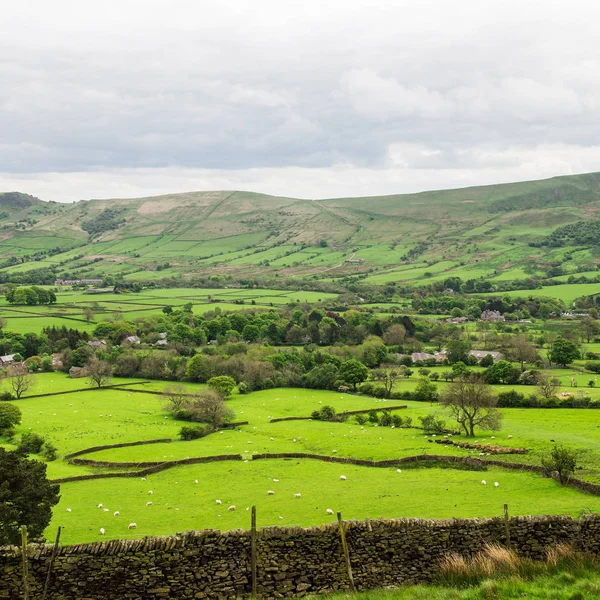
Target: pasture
[74, 421]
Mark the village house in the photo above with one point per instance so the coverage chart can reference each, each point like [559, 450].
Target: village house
[98, 344]
[492, 316]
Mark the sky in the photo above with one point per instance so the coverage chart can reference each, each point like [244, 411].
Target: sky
[310, 99]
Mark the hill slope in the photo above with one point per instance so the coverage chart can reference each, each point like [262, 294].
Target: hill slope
[492, 232]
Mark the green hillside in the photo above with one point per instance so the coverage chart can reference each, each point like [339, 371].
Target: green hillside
[495, 233]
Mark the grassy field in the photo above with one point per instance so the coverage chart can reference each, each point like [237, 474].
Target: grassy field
[470, 233]
[74, 421]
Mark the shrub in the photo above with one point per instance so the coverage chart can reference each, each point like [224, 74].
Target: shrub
[594, 367]
[432, 424]
[10, 415]
[47, 364]
[193, 432]
[385, 420]
[560, 461]
[361, 419]
[397, 421]
[243, 388]
[373, 416]
[327, 413]
[6, 395]
[31, 443]
[49, 451]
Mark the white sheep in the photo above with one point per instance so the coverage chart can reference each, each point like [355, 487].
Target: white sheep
[150, 492]
[232, 507]
[116, 513]
[329, 511]
[101, 530]
[483, 482]
[132, 526]
[398, 470]
[68, 510]
[510, 437]
[100, 505]
[105, 510]
[195, 481]
[148, 503]
[270, 492]
[143, 479]
[343, 477]
[219, 502]
[276, 480]
[496, 484]
[297, 495]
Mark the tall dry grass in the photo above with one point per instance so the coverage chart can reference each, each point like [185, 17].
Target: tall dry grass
[497, 562]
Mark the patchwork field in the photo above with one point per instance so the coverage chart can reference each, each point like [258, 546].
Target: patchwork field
[74, 421]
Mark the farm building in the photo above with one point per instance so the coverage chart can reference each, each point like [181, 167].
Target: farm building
[493, 316]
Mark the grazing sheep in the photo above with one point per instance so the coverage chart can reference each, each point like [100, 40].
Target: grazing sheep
[510, 437]
[270, 492]
[150, 492]
[68, 510]
[100, 505]
[148, 503]
[132, 526]
[195, 481]
[232, 507]
[483, 482]
[276, 480]
[343, 477]
[101, 530]
[106, 510]
[398, 470]
[219, 502]
[329, 511]
[297, 495]
[496, 484]
[116, 513]
[143, 479]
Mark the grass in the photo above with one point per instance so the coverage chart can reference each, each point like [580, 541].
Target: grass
[95, 417]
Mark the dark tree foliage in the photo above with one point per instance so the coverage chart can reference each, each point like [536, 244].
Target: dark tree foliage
[26, 497]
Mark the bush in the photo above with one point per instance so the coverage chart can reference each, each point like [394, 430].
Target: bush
[327, 413]
[397, 421]
[431, 424]
[47, 365]
[362, 419]
[243, 388]
[511, 399]
[6, 395]
[49, 452]
[385, 420]
[193, 432]
[373, 416]
[560, 462]
[594, 367]
[31, 443]
[10, 415]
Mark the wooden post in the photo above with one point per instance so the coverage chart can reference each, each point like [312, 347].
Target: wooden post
[507, 526]
[346, 553]
[25, 564]
[51, 565]
[253, 551]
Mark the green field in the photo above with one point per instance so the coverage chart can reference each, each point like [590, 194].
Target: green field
[79, 420]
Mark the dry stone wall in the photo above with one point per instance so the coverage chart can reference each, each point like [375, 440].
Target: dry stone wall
[291, 561]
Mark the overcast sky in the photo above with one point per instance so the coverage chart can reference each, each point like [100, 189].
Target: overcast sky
[311, 98]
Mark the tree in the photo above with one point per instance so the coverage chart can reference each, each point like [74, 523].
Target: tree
[222, 384]
[88, 313]
[353, 372]
[177, 395]
[386, 376]
[560, 462]
[394, 335]
[563, 352]
[458, 351]
[425, 391]
[547, 386]
[99, 372]
[26, 497]
[19, 379]
[207, 407]
[10, 415]
[199, 369]
[472, 403]
[522, 350]
[589, 328]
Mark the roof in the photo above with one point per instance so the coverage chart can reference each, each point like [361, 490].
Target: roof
[7, 358]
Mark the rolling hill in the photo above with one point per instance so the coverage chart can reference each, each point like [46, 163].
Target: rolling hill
[495, 232]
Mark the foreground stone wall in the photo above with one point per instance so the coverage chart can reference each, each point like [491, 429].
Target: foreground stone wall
[291, 561]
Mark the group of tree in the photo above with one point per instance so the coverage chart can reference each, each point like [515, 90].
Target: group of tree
[30, 295]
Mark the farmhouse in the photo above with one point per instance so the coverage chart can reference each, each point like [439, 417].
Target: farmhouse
[492, 316]
[479, 354]
[8, 359]
[78, 282]
[132, 339]
[97, 344]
